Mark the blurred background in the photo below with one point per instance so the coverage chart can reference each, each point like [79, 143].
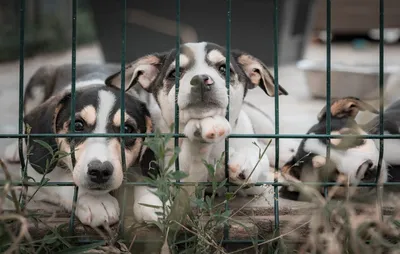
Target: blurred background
[151, 27]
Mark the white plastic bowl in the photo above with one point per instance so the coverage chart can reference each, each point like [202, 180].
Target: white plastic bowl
[358, 80]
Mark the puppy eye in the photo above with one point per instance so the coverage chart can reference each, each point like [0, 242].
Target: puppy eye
[172, 74]
[79, 125]
[222, 69]
[128, 128]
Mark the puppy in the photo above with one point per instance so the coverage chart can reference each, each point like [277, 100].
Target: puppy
[98, 163]
[203, 99]
[353, 159]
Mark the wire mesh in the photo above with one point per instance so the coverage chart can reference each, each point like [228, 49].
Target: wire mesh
[277, 136]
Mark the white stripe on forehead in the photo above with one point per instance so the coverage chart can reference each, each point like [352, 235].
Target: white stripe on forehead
[106, 103]
[199, 52]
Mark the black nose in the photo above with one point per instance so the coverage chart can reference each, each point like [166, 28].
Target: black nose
[100, 172]
[242, 176]
[201, 84]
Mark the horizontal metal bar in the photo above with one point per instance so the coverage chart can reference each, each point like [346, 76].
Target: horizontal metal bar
[55, 184]
[126, 135]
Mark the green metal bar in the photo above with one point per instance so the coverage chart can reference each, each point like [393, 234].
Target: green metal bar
[208, 184]
[381, 99]
[276, 95]
[72, 125]
[328, 80]
[122, 106]
[381, 84]
[177, 75]
[296, 136]
[21, 94]
[227, 80]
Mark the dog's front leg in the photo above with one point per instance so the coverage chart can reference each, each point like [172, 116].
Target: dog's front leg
[248, 160]
[97, 210]
[92, 210]
[201, 135]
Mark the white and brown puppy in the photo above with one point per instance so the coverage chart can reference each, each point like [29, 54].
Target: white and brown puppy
[354, 158]
[98, 168]
[203, 99]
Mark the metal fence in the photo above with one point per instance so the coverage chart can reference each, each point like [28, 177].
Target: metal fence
[177, 134]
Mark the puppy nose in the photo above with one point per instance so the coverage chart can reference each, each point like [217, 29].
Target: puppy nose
[202, 80]
[100, 172]
[201, 84]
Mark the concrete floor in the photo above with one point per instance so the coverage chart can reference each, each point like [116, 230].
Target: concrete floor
[297, 111]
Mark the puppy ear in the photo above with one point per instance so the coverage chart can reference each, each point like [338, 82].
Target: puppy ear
[347, 107]
[292, 168]
[257, 73]
[42, 120]
[148, 162]
[143, 71]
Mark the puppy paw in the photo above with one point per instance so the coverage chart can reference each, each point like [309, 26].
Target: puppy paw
[11, 153]
[150, 213]
[209, 130]
[96, 211]
[240, 169]
[215, 129]
[287, 149]
[245, 168]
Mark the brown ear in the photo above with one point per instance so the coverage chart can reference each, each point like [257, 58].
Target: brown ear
[143, 71]
[39, 156]
[291, 168]
[347, 107]
[258, 73]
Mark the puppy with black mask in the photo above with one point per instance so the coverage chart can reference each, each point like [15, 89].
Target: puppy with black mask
[98, 162]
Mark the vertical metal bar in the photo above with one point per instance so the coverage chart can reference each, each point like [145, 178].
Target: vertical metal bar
[276, 95]
[328, 81]
[72, 125]
[122, 106]
[177, 75]
[227, 80]
[381, 93]
[21, 92]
